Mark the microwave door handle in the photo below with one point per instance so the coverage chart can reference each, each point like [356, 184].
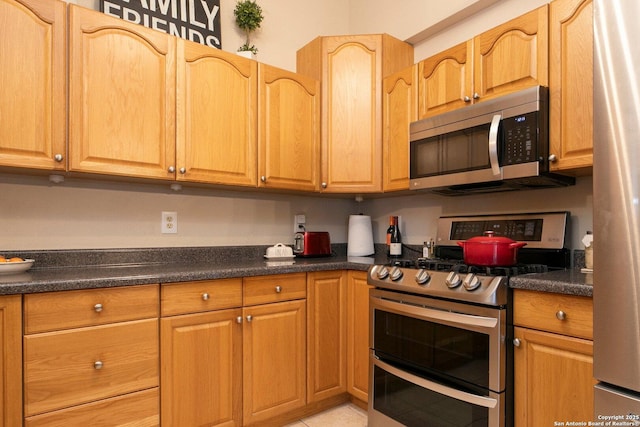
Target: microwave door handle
[493, 144]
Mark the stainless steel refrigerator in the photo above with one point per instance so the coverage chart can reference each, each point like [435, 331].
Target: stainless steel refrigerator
[616, 210]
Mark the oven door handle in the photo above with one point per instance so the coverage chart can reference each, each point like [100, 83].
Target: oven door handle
[421, 312]
[474, 399]
[493, 144]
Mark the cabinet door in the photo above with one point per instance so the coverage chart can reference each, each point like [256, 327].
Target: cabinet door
[352, 141]
[274, 367]
[326, 334]
[571, 84]
[358, 335]
[445, 80]
[289, 130]
[201, 372]
[553, 378]
[11, 364]
[33, 81]
[122, 97]
[399, 109]
[216, 116]
[512, 56]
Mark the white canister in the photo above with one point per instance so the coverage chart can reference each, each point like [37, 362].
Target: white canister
[360, 238]
[587, 241]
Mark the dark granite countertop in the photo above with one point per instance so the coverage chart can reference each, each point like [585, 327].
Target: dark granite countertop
[570, 282]
[60, 270]
[61, 279]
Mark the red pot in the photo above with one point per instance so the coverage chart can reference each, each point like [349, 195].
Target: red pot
[490, 250]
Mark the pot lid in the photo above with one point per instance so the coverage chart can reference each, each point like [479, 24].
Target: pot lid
[489, 237]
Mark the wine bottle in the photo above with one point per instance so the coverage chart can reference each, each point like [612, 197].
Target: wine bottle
[395, 239]
[389, 232]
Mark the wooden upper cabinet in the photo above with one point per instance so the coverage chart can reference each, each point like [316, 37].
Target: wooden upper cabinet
[445, 80]
[507, 58]
[121, 97]
[512, 56]
[571, 85]
[216, 116]
[351, 69]
[399, 109]
[33, 81]
[289, 130]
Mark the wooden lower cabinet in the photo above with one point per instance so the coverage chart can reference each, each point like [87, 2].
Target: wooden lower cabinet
[326, 334]
[553, 378]
[202, 369]
[553, 358]
[274, 360]
[358, 334]
[11, 363]
[103, 370]
[138, 409]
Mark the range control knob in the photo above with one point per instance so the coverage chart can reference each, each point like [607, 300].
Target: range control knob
[453, 280]
[422, 277]
[396, 274]
[471, 282]
[383, 273]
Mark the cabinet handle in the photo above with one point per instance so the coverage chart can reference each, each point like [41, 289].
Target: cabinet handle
[183, 170]
[97, 308]
[476, 95]
[239, 319]
[323, 185]
[516, 342]
[249, 318]
[561, 315]
[205, 297]
[263, 178]
[278, 289]
[467, 99]
[171, 169]
[553, 158]
[58, 158]
[98, 364]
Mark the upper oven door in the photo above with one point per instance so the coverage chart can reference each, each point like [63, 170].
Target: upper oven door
[452, 149]
[452, 343]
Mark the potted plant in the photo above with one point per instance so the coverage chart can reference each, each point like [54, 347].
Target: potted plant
[248, 18]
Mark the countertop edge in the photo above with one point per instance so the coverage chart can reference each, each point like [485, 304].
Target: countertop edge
[569, 282]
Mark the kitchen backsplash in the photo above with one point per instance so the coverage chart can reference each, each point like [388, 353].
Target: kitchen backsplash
[82, 214]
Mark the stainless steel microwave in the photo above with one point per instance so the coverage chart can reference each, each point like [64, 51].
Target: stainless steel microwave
[496, 145]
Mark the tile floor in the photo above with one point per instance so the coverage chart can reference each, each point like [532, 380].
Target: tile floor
[346, 415]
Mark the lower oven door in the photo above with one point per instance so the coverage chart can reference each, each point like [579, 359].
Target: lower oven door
[400, 398]
[436, 362]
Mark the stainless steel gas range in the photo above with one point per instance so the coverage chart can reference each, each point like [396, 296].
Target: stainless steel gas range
[441, 331]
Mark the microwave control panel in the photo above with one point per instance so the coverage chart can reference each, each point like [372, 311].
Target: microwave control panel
[520, 136]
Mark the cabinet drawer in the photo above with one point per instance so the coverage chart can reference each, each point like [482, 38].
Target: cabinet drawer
[195, 297]
[274, 288]
[53, 311]
[63, 368]
[139, 409]
[564, 314]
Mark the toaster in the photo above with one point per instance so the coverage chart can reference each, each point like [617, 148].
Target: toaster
[312, 243]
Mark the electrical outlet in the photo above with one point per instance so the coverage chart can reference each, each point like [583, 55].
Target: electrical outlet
[169, 222]
[299, 222]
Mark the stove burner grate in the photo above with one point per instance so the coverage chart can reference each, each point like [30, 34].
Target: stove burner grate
[459, 267]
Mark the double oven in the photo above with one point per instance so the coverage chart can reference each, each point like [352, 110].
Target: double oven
[441, 331]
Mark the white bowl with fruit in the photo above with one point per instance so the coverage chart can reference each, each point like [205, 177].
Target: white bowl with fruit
[14, 265]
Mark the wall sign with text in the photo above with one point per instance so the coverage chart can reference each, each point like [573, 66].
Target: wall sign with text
[195, 20]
